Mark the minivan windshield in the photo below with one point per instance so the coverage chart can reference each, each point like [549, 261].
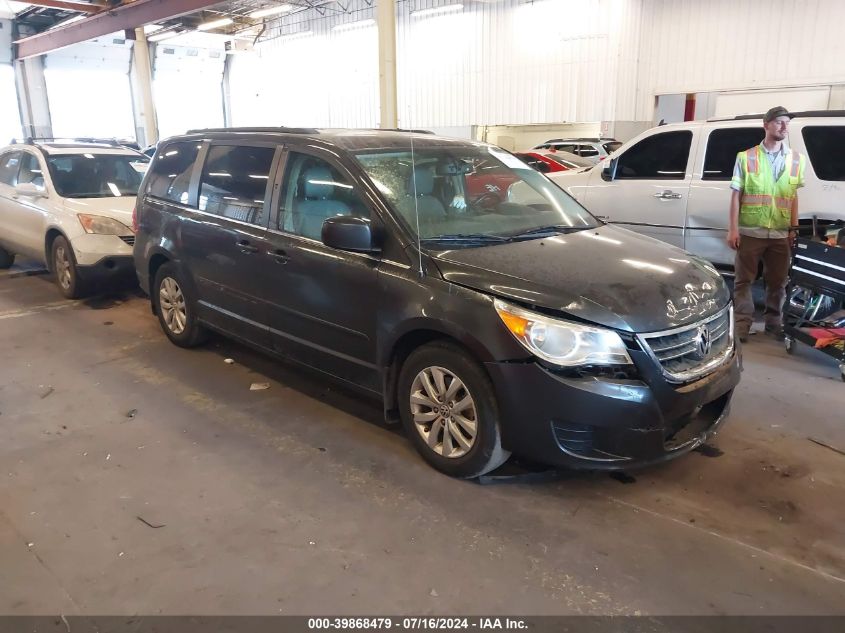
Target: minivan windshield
[471, 194]
[97, 175]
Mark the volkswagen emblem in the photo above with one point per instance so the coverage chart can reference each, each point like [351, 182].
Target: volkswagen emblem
[703, 342]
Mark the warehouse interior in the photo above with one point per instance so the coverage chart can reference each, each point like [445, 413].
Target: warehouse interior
[141, 478]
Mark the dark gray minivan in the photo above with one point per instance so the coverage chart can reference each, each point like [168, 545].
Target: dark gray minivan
[489, 311]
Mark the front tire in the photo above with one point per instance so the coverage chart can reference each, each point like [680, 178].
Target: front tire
[6, 258]
[449, 411]
[64, 267]
[176, 309]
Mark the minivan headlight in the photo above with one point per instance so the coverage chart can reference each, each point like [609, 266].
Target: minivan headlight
[561, 342]
[102, 225]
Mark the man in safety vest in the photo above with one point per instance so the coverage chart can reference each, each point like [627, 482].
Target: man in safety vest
[764, 208]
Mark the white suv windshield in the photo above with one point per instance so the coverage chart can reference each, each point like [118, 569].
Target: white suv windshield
[96, 175]
[466, 193]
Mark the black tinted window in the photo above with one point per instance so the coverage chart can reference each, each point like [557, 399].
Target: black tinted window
[172, 170]
[234, 182]
[313, 192]
[587, 151]
[722, 148]
[661, 157]
[824, 146]
[9, 164]
[611, 146]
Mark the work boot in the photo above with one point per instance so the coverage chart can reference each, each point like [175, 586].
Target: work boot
[775, 330]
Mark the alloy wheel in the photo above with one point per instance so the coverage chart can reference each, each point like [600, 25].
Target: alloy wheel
[63, 266]
[444, 412]
[171, 301]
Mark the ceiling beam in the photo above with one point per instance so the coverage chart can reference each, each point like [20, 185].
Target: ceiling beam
[126, 16]
[70, 5]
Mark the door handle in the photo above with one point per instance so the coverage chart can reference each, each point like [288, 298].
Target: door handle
[668, 195]
[280, 256]
[246, 247]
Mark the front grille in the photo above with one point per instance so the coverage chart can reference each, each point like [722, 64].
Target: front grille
[692, 351]
[129, 239]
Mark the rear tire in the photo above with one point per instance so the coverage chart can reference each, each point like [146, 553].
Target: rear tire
[63, 263]
[6, 258]
[449, 411]
[176, 308]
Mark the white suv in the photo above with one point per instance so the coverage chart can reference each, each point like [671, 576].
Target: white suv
[672, 182]
[593, 149]
[69, 206]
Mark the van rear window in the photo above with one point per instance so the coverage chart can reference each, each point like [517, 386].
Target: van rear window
[824, 146]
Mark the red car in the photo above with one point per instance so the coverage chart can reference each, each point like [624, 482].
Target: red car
[556, 161]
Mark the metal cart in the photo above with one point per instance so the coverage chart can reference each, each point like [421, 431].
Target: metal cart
[818, 273]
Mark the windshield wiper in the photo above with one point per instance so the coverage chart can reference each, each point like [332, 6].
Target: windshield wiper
[550, 230]
[466, 237]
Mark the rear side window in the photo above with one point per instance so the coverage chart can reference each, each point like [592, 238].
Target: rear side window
[9, 164]
[824, 146]
[587, 151]
[661, 156]
[611, 146]
[170, 175]
[722, 148]
[234, 182]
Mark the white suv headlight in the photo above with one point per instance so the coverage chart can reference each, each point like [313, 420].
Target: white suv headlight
[102, 225]
[561, 342]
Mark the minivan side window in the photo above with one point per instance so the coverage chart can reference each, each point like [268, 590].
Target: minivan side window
[314, 191]
[234, 182]
[170, 174]
[9, 164]
[662, 156]
[723, 146]
[824, 147]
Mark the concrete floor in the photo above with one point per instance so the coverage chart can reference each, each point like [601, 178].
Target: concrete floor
[139, 478]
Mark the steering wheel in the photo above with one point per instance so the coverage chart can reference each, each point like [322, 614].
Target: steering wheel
[486, 200]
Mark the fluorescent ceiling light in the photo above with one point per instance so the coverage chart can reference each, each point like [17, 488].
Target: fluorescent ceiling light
[449, 8]
[353, 25]
[163, 36]
[263, 13]
[214, 24]
[152, 28]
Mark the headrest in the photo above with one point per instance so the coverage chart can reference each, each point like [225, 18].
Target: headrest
[424, 177]
[316, 183]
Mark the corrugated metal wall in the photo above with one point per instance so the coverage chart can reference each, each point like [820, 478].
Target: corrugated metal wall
[311, 73]
[512, 61]
[694, 46]
[497, 62]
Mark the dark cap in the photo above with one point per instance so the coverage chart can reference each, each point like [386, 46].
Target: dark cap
[775, 112]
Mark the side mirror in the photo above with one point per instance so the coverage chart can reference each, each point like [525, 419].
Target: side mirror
[543, 168]
[608, 172]
[30, 190]
[350, 233]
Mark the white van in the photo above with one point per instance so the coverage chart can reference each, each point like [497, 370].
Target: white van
[672, 182]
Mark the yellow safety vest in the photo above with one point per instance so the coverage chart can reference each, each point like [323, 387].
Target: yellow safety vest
[767, 203]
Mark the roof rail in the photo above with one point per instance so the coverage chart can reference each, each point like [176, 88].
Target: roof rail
[803, 114]
[278, 130]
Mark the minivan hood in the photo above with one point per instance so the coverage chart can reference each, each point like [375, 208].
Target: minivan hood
[118, 208]
[608, 276]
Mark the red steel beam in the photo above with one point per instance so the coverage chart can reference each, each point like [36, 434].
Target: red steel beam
[126, 16]
[83, 7]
